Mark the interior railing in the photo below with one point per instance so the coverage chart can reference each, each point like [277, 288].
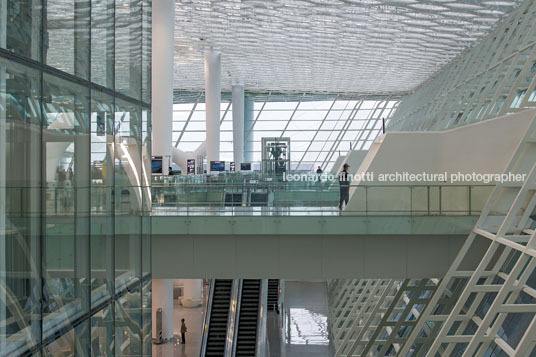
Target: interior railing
[260, 196]
[271, 197]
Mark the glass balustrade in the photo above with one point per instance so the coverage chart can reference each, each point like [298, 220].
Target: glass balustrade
[264, 195]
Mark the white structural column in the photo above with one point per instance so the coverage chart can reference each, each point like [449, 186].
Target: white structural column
[238, 125]
[212, 103]
[163, 298]
[192, 292]
[162, 80]
[249, 121]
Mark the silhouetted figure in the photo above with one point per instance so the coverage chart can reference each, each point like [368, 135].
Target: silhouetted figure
[344, 184]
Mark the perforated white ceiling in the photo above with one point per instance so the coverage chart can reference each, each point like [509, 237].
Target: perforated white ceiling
[361, 46]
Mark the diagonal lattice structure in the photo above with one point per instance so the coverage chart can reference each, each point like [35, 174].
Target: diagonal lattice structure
[483, 308]
[374, 316]
[495, 312]
[494, 78]
[340, 46]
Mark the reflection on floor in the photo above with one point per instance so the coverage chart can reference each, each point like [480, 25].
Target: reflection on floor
[305, 327]
[194, 322]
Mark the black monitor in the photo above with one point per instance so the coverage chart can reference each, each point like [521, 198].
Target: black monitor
[245, 166]
[156, 165]
[217, 166]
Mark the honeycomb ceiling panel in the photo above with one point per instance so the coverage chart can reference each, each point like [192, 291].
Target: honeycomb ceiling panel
[343, 46]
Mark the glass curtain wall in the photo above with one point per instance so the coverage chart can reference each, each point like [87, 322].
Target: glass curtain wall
[320, 127]
[75, 138]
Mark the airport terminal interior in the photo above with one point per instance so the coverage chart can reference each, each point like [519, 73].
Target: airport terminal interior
[268, 178]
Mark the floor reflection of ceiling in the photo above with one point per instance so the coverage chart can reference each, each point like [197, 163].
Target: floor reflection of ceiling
[307, 327]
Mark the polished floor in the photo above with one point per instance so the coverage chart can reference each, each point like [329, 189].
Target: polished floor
[301, 330]
[194, 322]
[304, 322]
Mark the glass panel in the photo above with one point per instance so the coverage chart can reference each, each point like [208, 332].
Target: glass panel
[67, 28]
[128, 193]
[128, 319]
[102, 43]
[147, 201]
[102, 195]
[73, 343]
[67, 174]
[20, 27]
[146, 50]
[146, 306]
[102, 332]
[128, 47]
[20, 203]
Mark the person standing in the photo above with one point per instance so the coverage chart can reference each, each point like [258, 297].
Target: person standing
[344, 185]
[183, 331]
[319, 174]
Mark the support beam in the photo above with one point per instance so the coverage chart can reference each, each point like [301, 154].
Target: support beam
[212, 102]
[162, 80]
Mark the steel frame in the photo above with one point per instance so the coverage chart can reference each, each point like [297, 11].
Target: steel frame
[496, 77]
[463, 313]
[497, 281]
[366, 134]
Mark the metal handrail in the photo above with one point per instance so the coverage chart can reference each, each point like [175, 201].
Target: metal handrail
[232, 320]
[313, 203]
[206, 321]
[261, 343]
[235, 332]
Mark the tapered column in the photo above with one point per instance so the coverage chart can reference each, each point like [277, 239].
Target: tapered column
[212, 103]
[238, 125]
[162, 80]
[249, 120]
[163, 299]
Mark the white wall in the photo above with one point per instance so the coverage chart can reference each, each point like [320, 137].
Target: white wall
[484, 147]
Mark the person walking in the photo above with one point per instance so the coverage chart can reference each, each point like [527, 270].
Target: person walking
[344, 185]
[183, 331]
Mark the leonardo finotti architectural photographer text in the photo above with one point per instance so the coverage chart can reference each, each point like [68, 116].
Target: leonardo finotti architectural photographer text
[413, 177]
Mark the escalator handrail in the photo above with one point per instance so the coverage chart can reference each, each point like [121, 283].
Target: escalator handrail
[232, 319]
[206, 321]
[232, 332]
[260, 344]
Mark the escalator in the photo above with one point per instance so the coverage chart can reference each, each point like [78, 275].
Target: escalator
[273, 295]
[235, 321]
[248, 318]
[219, 315]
